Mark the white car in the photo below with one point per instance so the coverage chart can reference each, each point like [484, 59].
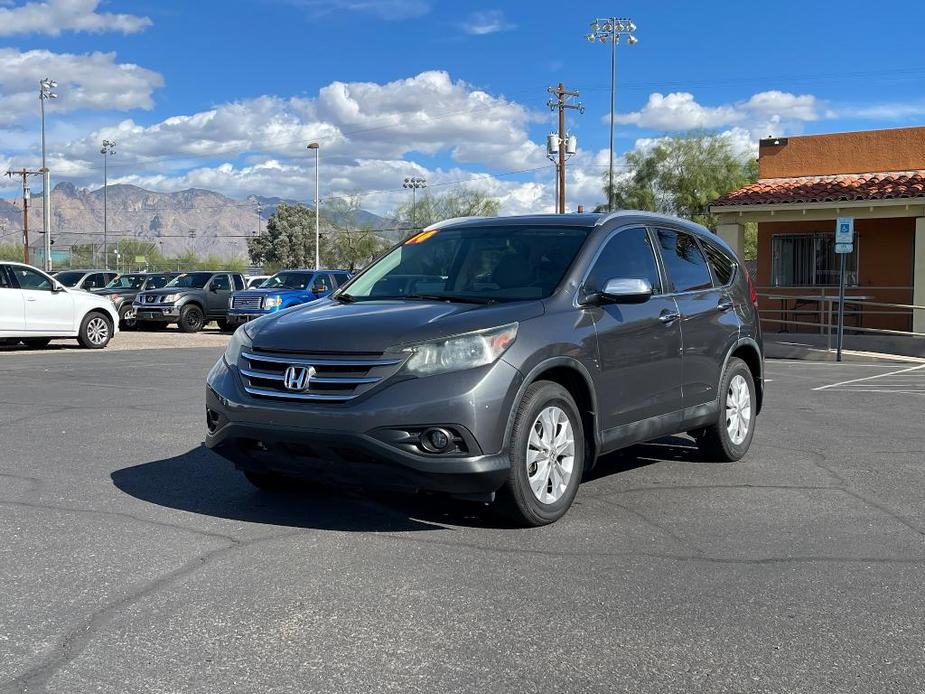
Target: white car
[34, 308]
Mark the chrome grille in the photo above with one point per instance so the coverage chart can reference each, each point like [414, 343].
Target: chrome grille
[336, 378]
[150, 298]
[247, 302]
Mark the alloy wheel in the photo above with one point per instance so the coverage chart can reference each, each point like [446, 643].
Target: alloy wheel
[97, 330]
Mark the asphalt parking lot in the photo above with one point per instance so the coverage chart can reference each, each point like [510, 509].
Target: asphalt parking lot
[132, 560]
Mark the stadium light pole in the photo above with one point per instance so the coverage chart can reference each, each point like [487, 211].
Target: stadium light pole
[609, 30]
[107, 150]
[315, 146]
[45, 92]
[414, 182]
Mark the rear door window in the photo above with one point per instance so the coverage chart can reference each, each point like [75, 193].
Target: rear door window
[5, 281]
[238, 282]
[687, 268]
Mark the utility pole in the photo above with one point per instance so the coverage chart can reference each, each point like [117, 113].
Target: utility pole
[259, 210]
[561, 103]
[315, 146]
[26, 194]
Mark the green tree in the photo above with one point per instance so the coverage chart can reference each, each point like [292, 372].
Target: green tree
[289, 239]
[681, 175]
[432, 208]
[347, 243]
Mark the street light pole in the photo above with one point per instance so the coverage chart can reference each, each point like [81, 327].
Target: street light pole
[414, 182]
[45, 92]
[108, 148]
[315, 146]
[609, 30]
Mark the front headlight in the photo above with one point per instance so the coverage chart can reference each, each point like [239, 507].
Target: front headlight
[460, 351]
[240, 340]
[169, 298]
[272, 302]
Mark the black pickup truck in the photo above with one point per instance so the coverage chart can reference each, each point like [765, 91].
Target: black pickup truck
[190, 300]
[124, 288]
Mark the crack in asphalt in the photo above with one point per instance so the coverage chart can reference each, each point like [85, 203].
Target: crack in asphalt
[73, 643]
[34, 482]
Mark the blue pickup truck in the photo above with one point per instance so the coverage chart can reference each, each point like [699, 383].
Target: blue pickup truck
[282, 290]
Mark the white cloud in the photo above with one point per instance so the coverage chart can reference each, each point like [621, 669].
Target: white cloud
[681, 111]
[428, 114]
[54, 16]
[486, 22]
[86, 81]
[384, 9]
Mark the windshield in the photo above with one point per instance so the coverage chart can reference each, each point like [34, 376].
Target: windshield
[158, 281]
[190, 280]
[70, 279]
[481, 264]
[126, 282]
[287, 280]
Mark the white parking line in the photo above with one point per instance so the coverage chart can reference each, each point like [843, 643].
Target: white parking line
[870, 378]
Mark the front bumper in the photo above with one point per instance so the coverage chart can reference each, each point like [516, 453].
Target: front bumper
[353, 442]
[152, 312]
[238, 316]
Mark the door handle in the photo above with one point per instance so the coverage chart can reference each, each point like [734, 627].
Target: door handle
[668, 316]
[725, 304]
[30, 298]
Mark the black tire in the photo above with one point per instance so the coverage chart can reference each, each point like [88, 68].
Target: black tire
[192, 319]
[225, 326]
[95, 330]
[36, 342]
[516, 498]
[269, 481]
[715, 441]
[127, 317]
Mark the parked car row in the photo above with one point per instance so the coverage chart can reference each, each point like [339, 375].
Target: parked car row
[40, 307]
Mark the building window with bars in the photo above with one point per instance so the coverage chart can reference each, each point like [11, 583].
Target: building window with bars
[809, 260]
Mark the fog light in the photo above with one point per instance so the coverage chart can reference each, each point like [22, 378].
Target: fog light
[436, 440]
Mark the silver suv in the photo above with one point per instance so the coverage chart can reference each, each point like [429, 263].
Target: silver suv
[497, 359]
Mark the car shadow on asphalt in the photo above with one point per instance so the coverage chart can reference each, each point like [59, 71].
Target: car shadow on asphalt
[199, 481]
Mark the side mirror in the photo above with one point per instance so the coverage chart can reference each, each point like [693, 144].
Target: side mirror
[319, 289]
[56, 286]
[625, 291]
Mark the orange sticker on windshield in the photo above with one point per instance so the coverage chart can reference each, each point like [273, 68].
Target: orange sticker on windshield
[422, 237]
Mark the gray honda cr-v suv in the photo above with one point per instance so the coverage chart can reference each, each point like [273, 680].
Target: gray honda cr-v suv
[496, 359]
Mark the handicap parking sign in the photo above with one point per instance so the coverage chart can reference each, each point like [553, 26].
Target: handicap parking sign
[844, 230]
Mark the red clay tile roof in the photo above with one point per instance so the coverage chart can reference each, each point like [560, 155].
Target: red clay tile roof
[873, 186]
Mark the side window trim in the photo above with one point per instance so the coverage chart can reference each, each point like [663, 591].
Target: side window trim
[608, 239]
[734, 263]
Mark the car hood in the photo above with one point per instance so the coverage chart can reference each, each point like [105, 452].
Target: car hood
[374, 326]
[170, 290]
[273, 292]
[110, 292]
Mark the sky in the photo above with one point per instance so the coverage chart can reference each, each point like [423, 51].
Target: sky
[226, 94]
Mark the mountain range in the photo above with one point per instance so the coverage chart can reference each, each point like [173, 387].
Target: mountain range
[204, 221]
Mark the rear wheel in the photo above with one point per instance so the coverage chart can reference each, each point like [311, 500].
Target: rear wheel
[95, 331]
[192, 319]
[730, 437]
[36, 342]
[127, 317]
[547, 456]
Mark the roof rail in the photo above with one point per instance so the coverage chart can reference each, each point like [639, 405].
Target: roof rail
[608, 216]
[452, 220]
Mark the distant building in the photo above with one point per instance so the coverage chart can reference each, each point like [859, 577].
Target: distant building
[805, 183]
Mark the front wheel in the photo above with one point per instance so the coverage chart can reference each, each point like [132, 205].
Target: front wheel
[226, 326]
[729, 438]
[127, 319]
[547, 456]
[192, 319]
[95, 331]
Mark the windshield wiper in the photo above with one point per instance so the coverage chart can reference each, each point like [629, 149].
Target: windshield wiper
[343, 297]
[451, 299]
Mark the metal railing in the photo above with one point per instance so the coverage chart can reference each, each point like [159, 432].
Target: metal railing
[863, 307]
